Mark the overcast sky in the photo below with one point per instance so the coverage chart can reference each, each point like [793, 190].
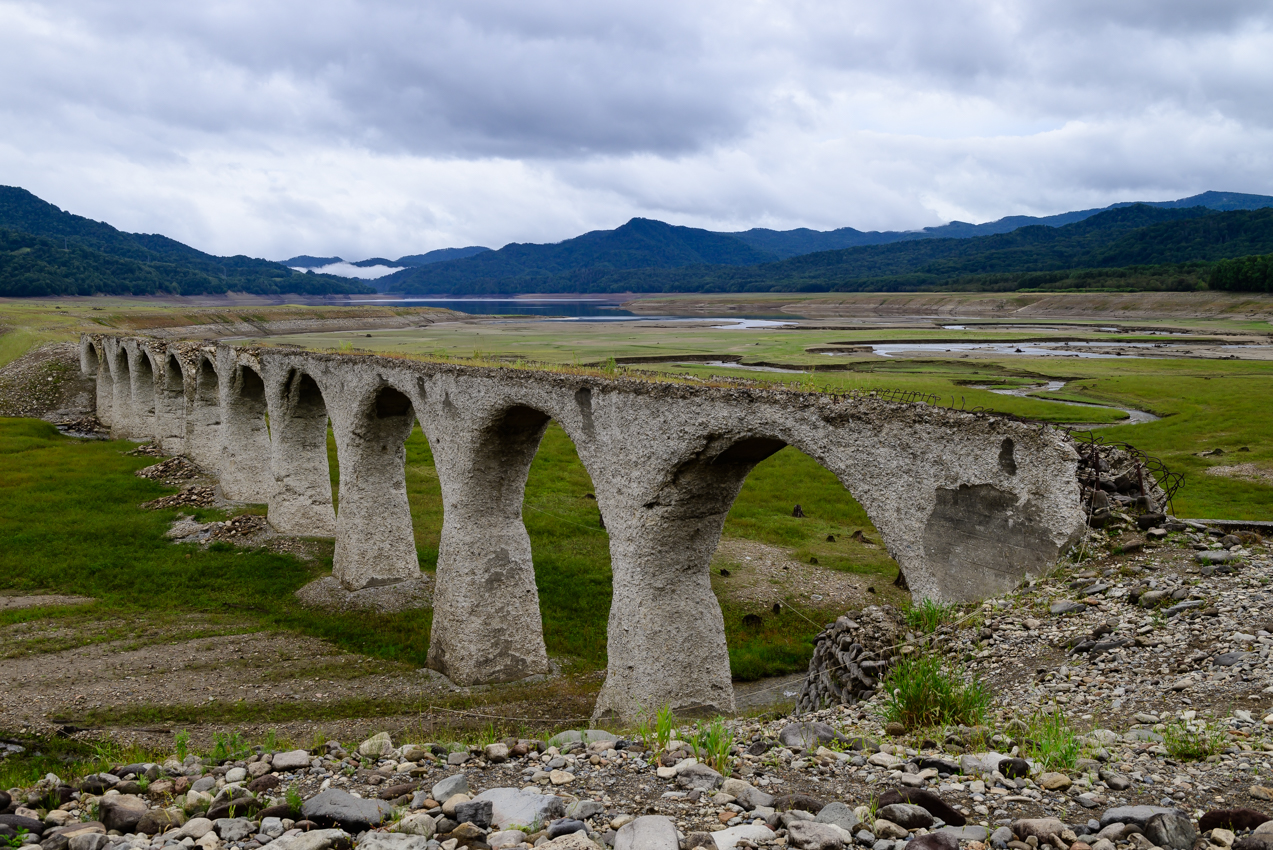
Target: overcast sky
[387, 128]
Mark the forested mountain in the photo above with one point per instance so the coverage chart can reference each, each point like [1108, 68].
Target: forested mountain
[1138, 235]
[640, 244]
[792, 243]
[96, 257]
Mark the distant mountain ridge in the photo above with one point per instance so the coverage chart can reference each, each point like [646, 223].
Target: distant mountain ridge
[53, 252]
[1140, 235]
[792, 243]
[305, 261]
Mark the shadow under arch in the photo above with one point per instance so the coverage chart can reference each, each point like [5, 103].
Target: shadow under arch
[245, 438]
[375, 543]
[300, 501]
[203, 421]
[92, 362]
[170, 405]
[485, 552]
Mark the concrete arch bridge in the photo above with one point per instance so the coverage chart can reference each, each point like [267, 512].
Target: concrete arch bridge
[968, 504]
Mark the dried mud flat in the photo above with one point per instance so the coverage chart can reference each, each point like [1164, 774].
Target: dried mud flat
[760, 575]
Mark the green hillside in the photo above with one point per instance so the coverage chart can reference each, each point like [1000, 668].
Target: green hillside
[52, 252]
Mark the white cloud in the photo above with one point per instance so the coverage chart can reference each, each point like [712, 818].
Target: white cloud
[395, 127]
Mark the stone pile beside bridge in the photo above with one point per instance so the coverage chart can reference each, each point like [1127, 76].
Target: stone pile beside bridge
[968, 504]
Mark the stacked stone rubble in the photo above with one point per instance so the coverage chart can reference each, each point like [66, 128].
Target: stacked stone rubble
[1116, 479]
[849, 658]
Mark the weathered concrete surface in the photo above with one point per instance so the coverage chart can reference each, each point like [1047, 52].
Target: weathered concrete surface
[968, 504]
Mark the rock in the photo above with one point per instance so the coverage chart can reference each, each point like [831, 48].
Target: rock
[560, 777]
[573, 841]
[1239, 820]
[1001, 836]
[236, 774]
[55, 842]
[122, 812]
[1138, 815]
[268, 782]
[584, 809]
[316, 839]
[377, 746]
[505, 838]
[1222, 837]
[88, 841]
[967, 833]
[808, 735]
[417, 823]
[652, 832]
[1216, 556]
[840, 815]
[811, 835]
[1014, 768]
[801, 802]
[194, 828]
[448, 808]
[933, 804]
[1261, 792]
[234, 829]
[449, 787]
[1254, 842]
[745, 794]
[258, 769]
[1054, 781]
[393, 792]
[1044, 829]
[906, 816]
[886, 760]
[496, 753]
[291, 760]
[886, 829]
[587, 736]
[156, 821]
[698, 777]
[1264, 828]
[1067, 607]
[1171, 830]
[393, 841]
[512, 807]
[476, 812]
[565, 826]
[334, 807]
[939, 840]
[727, 839]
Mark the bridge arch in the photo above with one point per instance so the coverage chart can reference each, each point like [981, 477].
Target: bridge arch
[123, 417]
[92, 362]
[301, 500]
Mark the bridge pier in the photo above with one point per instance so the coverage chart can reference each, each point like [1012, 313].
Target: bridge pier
[245, 438]
[170, 406]
[486, 621]
[122, 409]
[203, 421]
[301, 501]
[375, 545]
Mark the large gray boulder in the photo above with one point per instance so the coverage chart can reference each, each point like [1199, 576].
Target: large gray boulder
[318, 839]
[840, 815]
[122, 812]
[652, 832]
[1171, 829]
[808, 735]
[1139, 815]
[449, 787]
[290, 760]
[513, 807]
[334, 807]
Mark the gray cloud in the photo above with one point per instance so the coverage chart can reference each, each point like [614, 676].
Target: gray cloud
[359, 128]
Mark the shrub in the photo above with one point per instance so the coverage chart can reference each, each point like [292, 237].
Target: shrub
[925, 690]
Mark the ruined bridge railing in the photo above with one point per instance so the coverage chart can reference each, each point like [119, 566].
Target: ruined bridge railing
[967, 504]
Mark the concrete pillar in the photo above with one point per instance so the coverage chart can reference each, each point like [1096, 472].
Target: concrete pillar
[121, 393]
[486, 621]
[375, 545]
[245, 437]
[170, 406]
[203, 422]
[666, 635]
[93, 364]
[301, 502]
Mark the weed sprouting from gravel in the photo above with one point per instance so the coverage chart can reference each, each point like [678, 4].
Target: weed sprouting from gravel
[928, 615]
[926, 691]
[664, 728]
[1193, 741]
[712, 744]
[1050, 740]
